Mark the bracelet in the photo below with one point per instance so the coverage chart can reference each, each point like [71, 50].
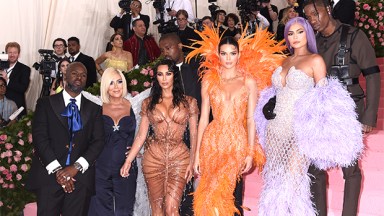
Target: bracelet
[57, 169]
[78, 166]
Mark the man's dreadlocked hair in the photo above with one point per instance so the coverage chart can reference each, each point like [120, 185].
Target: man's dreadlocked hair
[317, 3]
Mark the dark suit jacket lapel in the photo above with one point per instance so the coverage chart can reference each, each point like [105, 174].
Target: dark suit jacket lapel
[15, 71]
[84, 107]
[337, 5]
[58, 106]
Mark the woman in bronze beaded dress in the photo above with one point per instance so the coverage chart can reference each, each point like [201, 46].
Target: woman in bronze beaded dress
[167, 161]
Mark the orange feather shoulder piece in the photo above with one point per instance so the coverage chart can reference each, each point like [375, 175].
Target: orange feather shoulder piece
[260, 55]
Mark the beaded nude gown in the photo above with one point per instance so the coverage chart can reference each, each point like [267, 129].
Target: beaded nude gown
[166, 156]
[285, 172]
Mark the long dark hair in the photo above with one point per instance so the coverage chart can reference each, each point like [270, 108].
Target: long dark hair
[177, 90]
[59, 74]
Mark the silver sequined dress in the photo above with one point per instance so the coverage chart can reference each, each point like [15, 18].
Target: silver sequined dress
[286, 189]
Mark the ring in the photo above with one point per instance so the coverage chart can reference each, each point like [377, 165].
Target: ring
[63, 186]
[68, 178]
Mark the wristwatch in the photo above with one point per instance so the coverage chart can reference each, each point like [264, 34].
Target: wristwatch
[78, 166]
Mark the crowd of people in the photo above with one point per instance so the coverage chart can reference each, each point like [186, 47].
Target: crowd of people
[208, 119]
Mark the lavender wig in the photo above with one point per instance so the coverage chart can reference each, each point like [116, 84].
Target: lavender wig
[311, 39]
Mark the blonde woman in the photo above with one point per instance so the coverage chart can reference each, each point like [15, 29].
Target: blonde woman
[115, 195]
[288, 13]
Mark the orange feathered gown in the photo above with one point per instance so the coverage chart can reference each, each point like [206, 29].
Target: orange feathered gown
[225, 144]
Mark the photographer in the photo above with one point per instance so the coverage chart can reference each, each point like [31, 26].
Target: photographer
[7, 107]
[16, 76]
[185, 33]
[256, 19]
[270, 12]
[172, 6]
[126, 17]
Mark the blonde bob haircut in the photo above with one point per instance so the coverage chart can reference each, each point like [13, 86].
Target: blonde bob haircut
[106, 82]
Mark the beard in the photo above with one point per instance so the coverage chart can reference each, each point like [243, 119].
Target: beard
[75, 89]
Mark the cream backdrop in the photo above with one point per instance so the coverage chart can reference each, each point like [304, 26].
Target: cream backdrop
[34, 24]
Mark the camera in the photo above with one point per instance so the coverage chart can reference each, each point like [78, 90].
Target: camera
[45, 68]
[4, 63]
[47, 63]
[246, 7]
[167, 27]
[125, 5]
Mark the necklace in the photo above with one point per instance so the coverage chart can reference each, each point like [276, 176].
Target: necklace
[229, 79]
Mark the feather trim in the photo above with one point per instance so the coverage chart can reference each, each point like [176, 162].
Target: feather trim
[327, 128]
[260, 120]
[260, 55]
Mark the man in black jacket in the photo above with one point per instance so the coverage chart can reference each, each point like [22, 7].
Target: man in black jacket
[16, 76]
[124, 19]
[63, 173]
[88, 61]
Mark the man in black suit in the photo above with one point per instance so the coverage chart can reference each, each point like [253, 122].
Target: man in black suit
[17, 76]
[124, 19]
[63, 173]
[88, 61]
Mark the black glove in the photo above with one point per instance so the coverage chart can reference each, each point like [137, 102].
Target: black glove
[268, 109]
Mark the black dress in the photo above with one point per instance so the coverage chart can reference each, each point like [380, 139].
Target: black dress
[115, 195]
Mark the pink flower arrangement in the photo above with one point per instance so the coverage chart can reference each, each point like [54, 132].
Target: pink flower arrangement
[139, 79]
[15, 153]
[369, 18]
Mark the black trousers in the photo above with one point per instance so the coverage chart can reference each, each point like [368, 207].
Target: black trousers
[352, 186]
[53, 201]
[186, 206]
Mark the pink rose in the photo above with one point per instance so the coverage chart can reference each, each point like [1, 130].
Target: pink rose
[1, 180]
[371, 21]
[362, 19]
[8, 176]
[360, 24]
[5, 185]
[20, 134]
[24, 167]
[151, 73]
[1, 204]
[19, 177]
[27, 158]
[366, 7]
[380, 5]
[9, 160]
[5, 172]
[18, 153]
[2, 155]
[21, 142]
[380, 18]
[13, 168]
[374, 8]
[366, 26]
[357, 15]
[381, 28]
[381, 40]
[382, 43]
[134, 82]
[8, 153]
[8, 146]
[147, 84]
[2, 168]
[11, 186]
[3, 137]
[144, 71]
[16, 158]
[30, 138]
[134, 93]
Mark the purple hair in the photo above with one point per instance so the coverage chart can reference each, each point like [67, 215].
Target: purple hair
[311, 39]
